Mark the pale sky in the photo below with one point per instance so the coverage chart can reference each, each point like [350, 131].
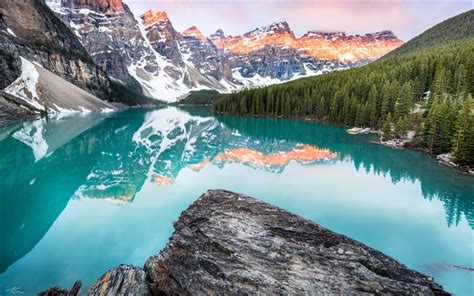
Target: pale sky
[406, 18]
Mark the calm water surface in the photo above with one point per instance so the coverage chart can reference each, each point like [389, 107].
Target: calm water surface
[81, 195]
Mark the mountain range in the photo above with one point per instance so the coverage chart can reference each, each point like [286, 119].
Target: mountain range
[168, 64]
[100, 47]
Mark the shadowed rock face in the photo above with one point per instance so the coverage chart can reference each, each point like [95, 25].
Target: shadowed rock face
[234, 244]
[13, 109]
[41, 37]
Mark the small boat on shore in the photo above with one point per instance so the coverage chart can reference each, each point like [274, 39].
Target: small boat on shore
[358, 131]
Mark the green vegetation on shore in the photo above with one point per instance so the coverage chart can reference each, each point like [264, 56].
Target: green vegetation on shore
[425, 86]
[200, 97]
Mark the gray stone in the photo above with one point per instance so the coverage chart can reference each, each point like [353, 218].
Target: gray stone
[228, 243]
[122, 280]
[58, 291]
[233, 244]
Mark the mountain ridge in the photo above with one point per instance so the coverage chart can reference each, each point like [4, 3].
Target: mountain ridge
[439, 32]
[148, 53]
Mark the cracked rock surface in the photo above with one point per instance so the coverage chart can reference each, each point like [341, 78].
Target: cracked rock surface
[228, 243]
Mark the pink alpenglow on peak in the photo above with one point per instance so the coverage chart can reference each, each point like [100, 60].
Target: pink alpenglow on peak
[194, 32]
[150, 17]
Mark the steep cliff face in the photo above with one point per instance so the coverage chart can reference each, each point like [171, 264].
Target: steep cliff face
[324, 46]
[200, 52]
[162, 35]
[187, 61]
[40, 36]
[44, 68]
[110, 34]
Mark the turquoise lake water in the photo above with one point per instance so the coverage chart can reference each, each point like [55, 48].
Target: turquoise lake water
[80, 195]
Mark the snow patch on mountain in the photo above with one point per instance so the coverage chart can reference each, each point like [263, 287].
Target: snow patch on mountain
[10, 31]
[24, 87]
[160, 85]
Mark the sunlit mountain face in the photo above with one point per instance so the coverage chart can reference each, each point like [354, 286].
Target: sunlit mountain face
[168, 64]
[328, 46]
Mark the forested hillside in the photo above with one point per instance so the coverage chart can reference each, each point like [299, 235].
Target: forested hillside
[456, 28]
[426, 87]
[200, 97]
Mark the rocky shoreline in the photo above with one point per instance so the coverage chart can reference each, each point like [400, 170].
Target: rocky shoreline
[446, 159]
[234, 244]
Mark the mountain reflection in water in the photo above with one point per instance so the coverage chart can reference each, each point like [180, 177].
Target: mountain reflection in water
[46, 163]
[304, 154]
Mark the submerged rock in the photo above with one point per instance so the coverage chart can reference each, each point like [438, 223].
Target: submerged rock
[228, 243]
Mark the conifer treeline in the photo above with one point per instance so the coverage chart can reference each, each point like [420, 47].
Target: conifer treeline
[426, 91]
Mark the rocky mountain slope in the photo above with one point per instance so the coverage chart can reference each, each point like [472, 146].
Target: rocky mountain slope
[86, 42]
[148, 53]
[235, 244]
[41, 37]
[45, 69]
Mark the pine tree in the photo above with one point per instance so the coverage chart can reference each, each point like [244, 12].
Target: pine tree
[437, 128]
[463, 140]
[469, 77]
[372, 101]
[438, 87]
[401, 127]
[387, 128]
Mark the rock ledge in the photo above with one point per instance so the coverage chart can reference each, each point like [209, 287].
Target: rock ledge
[228, 243]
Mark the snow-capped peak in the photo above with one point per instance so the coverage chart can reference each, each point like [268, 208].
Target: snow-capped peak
[386, 34]
[274, 28]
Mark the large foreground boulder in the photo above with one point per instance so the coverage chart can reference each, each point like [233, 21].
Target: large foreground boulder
[228, 243]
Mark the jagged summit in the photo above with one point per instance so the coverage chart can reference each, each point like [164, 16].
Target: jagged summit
[274, 28]
[324, 34]
[194, 32]
[387, 34]
[219, 33]
[150, 17]
[103, 6]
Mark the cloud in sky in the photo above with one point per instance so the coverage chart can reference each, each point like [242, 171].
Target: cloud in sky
[404, 17]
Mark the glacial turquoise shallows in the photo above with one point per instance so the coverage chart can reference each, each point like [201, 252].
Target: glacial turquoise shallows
[81, 195]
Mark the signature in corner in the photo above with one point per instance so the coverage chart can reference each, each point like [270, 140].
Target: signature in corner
[14, 291]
